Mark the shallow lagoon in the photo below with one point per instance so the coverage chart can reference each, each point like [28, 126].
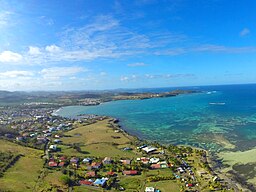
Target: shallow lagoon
[188, 119]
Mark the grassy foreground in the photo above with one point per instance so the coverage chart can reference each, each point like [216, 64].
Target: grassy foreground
[23, 175]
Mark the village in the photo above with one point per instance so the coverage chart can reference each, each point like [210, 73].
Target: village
[93, 153]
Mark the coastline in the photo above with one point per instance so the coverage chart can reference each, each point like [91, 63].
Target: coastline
[212, 158]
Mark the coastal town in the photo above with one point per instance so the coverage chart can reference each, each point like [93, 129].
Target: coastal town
[93, 153]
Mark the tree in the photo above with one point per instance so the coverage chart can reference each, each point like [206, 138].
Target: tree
[65, 180]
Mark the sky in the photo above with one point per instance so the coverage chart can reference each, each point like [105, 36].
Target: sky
[105, 44]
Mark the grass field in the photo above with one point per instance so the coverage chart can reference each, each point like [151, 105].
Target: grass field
[97, 140]
[139, 182]
[24, 174]
[165, 186]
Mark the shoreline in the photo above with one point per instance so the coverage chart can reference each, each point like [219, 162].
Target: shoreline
[212, 157]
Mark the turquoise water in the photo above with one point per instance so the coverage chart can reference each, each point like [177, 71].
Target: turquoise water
[187, 119]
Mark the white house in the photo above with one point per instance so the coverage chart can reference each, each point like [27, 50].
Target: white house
[150, 189]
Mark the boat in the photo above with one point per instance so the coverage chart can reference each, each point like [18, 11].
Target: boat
[217, 103]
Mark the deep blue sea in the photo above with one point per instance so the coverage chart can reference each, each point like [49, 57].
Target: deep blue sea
[216, 118]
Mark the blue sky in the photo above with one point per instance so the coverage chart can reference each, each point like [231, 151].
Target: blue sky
[104, 44]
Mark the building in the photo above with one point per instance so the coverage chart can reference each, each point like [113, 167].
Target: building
[149, 149]
[126, 162]
[100, 182]
[85, 182]
[107, 161]
[53, 148]
[150, 189]
[130, 172]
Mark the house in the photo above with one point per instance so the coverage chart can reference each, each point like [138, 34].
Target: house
[96, 165]
[53, 164]
[127, 149]
[61, 164]
[154, 160]
[52, 129]
[19, 138]
[74, 160]
[62, 158]
[189, 185]
[91, 174]
[85, 182]
[111, 173]
[126, 161]
[142, 146]
[130, 172]
[144, 160]
[41, 139]
[180, 170]
[87, 160]
[100, 182]
[53, 148]
[57, 141]
[150, 189]
[107, 161]
[149, 149]
[155, 166]
[47, 134]
[163, 164]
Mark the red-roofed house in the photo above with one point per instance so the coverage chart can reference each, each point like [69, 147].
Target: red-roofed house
[155, 166]
[62, 158]
[91, 174]
[85, 182]
[130, 172]
[53, 164]
[111, 173]
[62, 164]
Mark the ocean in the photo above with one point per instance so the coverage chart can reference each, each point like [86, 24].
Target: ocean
[218, 118]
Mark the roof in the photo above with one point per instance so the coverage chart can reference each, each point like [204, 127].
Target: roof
[53, 164]
[149, 149]
[74, 159]
[155, 166]
[95, 164]
[126, 161]
[111, 173]
[87, 160]
[53, 147]
[91, 173]
[130, 172]
[85, 182]
[107, 159]
[154, 160]
[149, 189]
[61, 164]
[62, 158]
[100, 182]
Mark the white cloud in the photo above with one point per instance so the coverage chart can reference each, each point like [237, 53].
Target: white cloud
[57, 72]
[245, 32]
[15, 74]
[9, 56]
[52, 48]
[129, 78]
[210, 48]
[34, 50]
[124, 78]
[5, 17]
[139, 64]
[103, 73]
